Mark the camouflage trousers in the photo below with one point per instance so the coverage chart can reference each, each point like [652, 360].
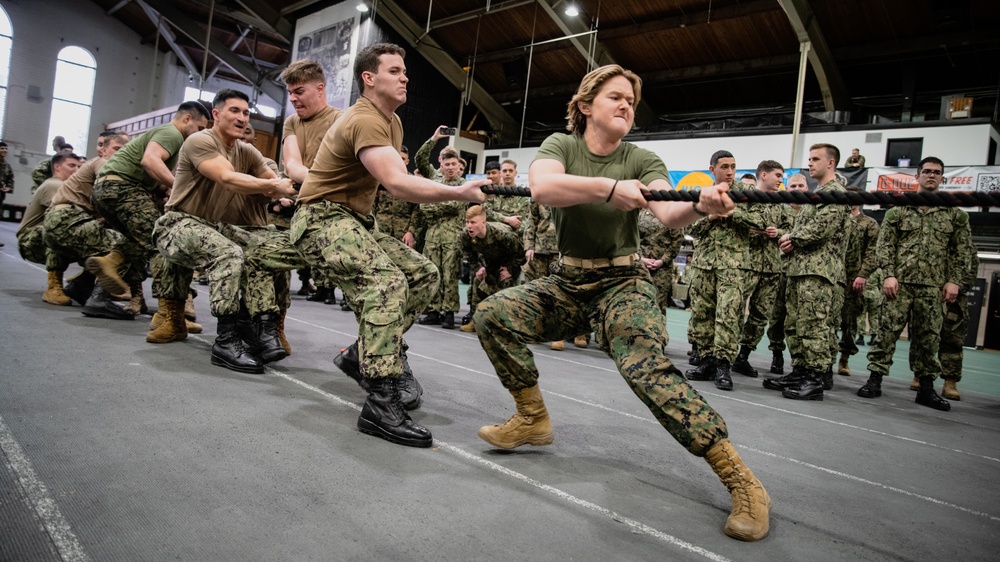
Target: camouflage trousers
[763, 297]
[447, 258]
[479, 290]
[701, 295]
[663, 280]
[853, 309]
[919, 306]
[540, 266]
[776, 321]
[187, 243]
[809, 321]
[130, 210]
[954, 328]
[31, 244]
[386, 282]
[72, 234]
[619, 305]
[269, 258]
[872, 306]
[717, 311]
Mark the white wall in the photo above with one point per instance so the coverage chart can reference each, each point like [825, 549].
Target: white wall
[957, 145]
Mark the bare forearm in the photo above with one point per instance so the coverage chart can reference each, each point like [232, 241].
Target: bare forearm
[420, 190]
[158, 170]
[565, 190]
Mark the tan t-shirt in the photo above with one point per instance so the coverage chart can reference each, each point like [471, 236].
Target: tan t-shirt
[40, 202]
[197, 195]
[309, 132]
[80, 186]
[337, 174]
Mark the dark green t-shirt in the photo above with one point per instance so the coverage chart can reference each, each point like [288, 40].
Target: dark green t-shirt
[127, 162]
[599, 230]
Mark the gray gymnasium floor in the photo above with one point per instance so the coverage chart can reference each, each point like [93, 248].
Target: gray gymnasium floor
[115, 449]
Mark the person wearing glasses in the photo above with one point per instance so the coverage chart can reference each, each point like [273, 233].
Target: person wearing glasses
[924, 253]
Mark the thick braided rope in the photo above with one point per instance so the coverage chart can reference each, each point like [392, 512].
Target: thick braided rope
[911, 199]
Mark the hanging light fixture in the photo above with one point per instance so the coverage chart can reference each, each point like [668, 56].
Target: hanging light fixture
[572, 11]
[362, 7]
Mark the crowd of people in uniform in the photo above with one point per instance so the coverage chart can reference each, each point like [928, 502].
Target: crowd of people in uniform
[596, 256]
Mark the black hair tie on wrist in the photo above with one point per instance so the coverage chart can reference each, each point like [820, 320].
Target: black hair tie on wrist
[610, 195]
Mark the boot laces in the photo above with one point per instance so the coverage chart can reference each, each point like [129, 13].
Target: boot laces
[741, 489]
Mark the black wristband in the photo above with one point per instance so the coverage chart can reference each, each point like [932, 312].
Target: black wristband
[608, 200]
[694, 205]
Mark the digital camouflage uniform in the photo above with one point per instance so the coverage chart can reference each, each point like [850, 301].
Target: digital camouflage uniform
[72, 235]
[540, 236]
[923, 248]
[444, 223]
[815, 273]
[6, 178]
[394, 216]
[765, 260]
[779, 311]
[859, 262]
[501, 248]
[41, 172]
[31, 232]
[617, 303]
[955, 325]
[499, 206]
[719, 290]
[658, 242]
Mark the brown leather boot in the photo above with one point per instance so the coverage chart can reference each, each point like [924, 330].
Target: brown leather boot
[136, 302]
[581, 341]
[189, 308]
[749, 519]
[843, 368]
[950, 390]
[915, 383]
[529, 426]
[105, 268]
[54, 294]
[173, 328]
[160, 317]
[281, 333]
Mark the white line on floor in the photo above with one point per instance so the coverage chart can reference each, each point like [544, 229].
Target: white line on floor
[68, 547]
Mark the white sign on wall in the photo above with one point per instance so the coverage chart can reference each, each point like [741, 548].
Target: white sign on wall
[330, 37]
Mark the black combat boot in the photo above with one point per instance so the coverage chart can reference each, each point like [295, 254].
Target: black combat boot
[100, 305]
[319, 295]
[694, 356]
[410, 390]
[448, 320]
[269, 346]
[926, 396]
[722, 379]
[828, 378]
[778, 362]
[231, 352]
[331, 296]
[432, 318]
[80, 287]
[809, 388]
[742, 363]
[789, 380]
[704, 371]
[345, 306]
[384, 415]
[872, 388]
[348, 362]
[860, 340]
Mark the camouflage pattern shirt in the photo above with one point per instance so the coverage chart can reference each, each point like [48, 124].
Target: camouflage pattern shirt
[500, 206]
[500, 248]
[656, 241]
[819, 239]
[6, 175]
[860, 257]
[539, 230]
[724, 243]
[925, 246]
[395, 217]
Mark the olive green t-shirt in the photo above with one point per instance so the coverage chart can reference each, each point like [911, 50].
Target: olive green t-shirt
[309, 133]
[127, 162]
[337, 174]
[599, 230]
[197, 195]
[34, 214]
[78, 188]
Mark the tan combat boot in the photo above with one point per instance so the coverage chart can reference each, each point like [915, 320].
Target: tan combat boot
[558, 345]
[580, 341]
[106, 270]
[161, 316]
[281, 333]
[529, 426]
[915, 384]
[54, 294]
[749, 520]
[189, 308]
[172, 328]
[843, 368]
[136, 302]
[468, 327]
[950, 391]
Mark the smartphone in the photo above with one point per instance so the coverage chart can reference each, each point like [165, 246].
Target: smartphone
[448, 131]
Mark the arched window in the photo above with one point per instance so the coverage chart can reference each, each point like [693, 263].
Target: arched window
[72, 96]
[6, 40]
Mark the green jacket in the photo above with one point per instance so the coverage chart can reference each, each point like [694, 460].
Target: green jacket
[820, 239]
[925, 246]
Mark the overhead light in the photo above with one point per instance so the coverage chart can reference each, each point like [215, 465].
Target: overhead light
[362, 7]
[572, 11]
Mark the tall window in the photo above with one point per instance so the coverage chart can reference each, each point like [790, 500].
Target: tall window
[72, 96]
[6, 39]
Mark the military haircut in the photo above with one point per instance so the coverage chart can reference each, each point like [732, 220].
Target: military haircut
[590, 86]
[769, 166]
[749, 176]
[66, 146]
[792, 178]
[227, 94]
[719, 154]
[492, 165]
[121, 137]
[449, 152]
[59, 157]
[367, 60]
[474, 211]
[3, 144]
[305, 71]
[930, 160]
[404, 150]
[832, 152]
[195, 109]
[511, 162]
